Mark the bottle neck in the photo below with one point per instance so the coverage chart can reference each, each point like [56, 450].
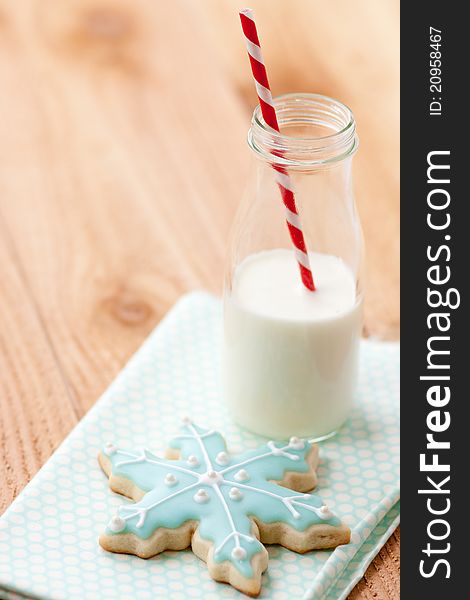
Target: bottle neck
[316, 131]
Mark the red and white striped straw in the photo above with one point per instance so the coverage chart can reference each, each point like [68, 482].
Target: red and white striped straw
[282, 176]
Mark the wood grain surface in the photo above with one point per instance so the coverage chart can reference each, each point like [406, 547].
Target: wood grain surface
[122, 161]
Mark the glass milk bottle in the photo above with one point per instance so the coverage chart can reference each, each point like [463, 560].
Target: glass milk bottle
[290, 354]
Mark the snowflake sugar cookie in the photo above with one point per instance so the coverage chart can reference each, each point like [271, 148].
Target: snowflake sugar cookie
[225, 507]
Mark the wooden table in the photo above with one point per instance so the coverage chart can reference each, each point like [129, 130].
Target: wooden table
[122, 160]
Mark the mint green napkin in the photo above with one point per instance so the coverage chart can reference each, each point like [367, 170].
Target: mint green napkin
[48, 537]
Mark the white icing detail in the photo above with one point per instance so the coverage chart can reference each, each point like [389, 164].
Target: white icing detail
[139, 511]
[318, 510]
[192, 437]
[324, 512]
[281, 451]
[170, 479]
[211, 478]
[110, 449]
[201, 496]
[198, 438]
[256, 458]
[234, 534]
[116, 524]
[274, 449]
[241, 475]
[144, 457]
[238, 553]
[286, 500]
[238, 536]
[222, 459]
[235, 494]
[296, 443]
[290, 502]
[136, 458]
[141, 521]
[186, 420]
[193, 461]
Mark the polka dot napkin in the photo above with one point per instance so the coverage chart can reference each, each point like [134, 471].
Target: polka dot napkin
[48, 537]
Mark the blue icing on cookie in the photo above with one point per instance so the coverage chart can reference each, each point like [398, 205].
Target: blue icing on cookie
[222, 493]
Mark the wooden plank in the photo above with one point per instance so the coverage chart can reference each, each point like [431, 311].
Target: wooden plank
[37, 408]
[382, 578]
[122, 195]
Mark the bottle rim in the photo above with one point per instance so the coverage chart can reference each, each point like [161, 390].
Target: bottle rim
[307, 111]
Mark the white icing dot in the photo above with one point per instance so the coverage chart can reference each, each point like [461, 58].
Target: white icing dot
[296, 443]
[222, 459]
[211, 478]
[325, 512]
[170, 479]
[238, 553]
[241, 475]
[235, 494]
[201, 496]
[116, 524]
[193, 461]
[110, 449]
